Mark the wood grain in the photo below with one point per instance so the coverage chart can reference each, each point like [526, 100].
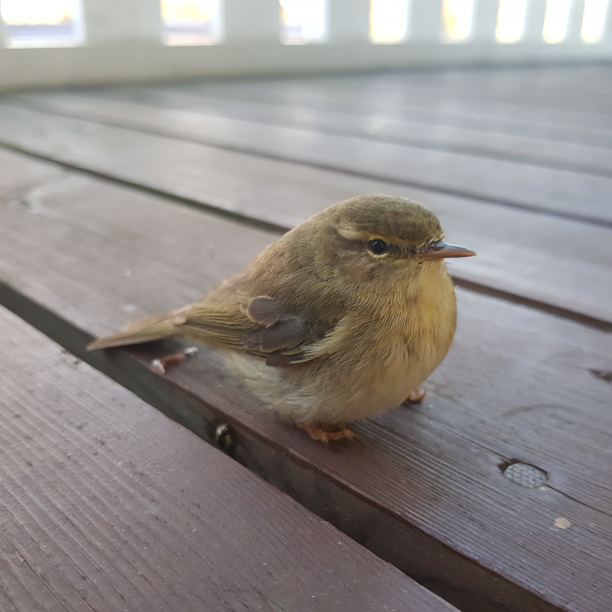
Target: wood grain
[545, 259]
[424, 487]
[511, 183]
[109, 505]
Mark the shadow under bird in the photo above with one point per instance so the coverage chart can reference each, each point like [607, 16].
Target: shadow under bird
[340, 319]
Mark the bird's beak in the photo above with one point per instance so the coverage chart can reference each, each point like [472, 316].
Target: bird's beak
[441, 250]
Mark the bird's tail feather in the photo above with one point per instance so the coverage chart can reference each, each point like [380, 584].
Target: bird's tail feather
[137, 332]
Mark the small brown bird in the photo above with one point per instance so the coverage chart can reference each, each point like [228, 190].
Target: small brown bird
[340, 319]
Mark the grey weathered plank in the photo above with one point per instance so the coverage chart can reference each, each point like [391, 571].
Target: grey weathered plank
[422, 487]
[579, 90]
[511, 183]
[18, 174]
[558, 263]
[377, 119]
[398, 94]
[234, 124]
[109, 505]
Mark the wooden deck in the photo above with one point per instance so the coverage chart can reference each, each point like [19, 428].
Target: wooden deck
[495, 494]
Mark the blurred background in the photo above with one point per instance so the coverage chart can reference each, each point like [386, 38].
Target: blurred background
[60, 42]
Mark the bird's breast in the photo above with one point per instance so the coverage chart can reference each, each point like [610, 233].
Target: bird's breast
[416, 336]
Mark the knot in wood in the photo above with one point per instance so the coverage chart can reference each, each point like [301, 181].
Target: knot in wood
[526, 475]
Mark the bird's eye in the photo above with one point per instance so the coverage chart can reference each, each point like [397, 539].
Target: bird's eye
[377, 246]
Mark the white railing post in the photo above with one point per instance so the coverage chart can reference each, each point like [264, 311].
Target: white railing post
[485, 21]
[348, 21]
[425, 21]
[251, 21]
[2, 33]
[606, 35]
[534, 21]
[574, 22]
[122, 21]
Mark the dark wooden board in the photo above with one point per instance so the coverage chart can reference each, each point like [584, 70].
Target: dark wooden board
[423, 487]
[540, 258]
[510, 183]
[230, 124]
[109, 505]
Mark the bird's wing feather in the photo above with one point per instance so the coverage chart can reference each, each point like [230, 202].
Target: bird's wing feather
[260, 325]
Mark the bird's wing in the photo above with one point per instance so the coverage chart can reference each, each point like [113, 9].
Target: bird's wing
[260, 325]
[282, 337]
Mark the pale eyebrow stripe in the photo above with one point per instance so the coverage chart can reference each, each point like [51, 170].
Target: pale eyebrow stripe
[351, 233]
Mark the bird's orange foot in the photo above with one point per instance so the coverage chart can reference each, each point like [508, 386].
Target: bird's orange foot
[416, 396]
[325, 433]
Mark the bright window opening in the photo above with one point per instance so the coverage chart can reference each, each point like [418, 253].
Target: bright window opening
[555, 20]
[191, 22]
[388, 20]
[303, 21]
[457, 17]
[42, 23]
[510, 20]
[594, 19]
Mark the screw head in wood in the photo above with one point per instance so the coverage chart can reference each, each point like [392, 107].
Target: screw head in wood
[223, 437]
[524, 474]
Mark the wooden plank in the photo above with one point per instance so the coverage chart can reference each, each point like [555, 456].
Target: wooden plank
[211, 121]
[571, 194]
[540, 258]
[109, 505]
[376, 119]
[19, 174]
[583, 88]
[398, 93]
[377, 110]
[424, 487]
[494, 117]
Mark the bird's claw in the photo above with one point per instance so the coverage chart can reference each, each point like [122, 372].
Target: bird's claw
[162, 364]
[416, 396]
[325, 433]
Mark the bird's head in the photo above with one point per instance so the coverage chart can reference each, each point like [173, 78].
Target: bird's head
[365, 248]
[380, 239]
